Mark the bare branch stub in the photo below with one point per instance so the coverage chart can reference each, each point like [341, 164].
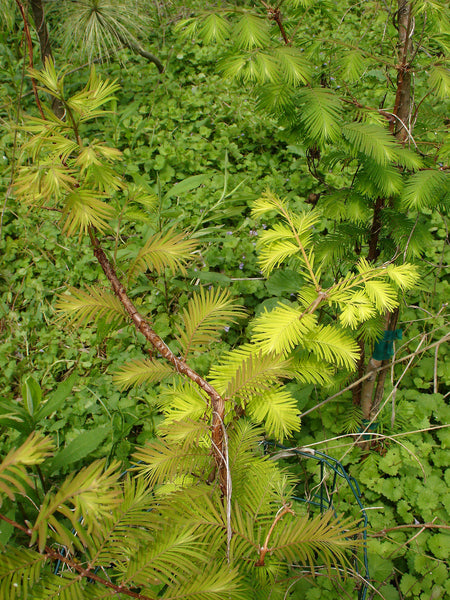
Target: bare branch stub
[274, 14]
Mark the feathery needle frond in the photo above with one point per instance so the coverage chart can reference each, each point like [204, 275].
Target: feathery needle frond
[283, 328]
[162, 250]
[92, 492]
[13, 475]
[138, 372]
[246, 371]
[205, 317]
[80, 306]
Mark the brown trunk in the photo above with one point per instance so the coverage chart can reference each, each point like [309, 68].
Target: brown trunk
[356, 391]
[400, 127]
[375, 230]
[402, 107]
[41, 27]
[369, 384]
[393, 318]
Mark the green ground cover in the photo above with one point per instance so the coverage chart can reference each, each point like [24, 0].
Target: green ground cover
[202, 154]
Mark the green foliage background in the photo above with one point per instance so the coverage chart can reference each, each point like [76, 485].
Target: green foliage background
[190, 122]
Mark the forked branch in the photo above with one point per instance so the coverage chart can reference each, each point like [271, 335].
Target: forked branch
[265, 548]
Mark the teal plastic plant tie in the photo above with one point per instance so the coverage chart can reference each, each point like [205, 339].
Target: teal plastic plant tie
[384, 348]
[367, 426]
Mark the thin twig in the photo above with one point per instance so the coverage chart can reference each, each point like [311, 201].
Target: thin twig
[372, 418]
[309, 448]
[364, 377]
[264, 549]
[30, 55]
[386, 530]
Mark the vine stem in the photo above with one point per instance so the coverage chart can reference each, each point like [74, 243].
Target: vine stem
[84, 572]
[30, 54]
[218, 432]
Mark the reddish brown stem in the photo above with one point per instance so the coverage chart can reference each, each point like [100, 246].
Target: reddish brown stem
[86, 572]
[16, 525]
[264, 549]
[217, 402]
[277, 18]
[387, 115]
[274, 14]
[30, 54]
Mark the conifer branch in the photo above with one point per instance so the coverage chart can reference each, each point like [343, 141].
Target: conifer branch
[73, 564]
[139, 50]
[358, 382]
[217, 402]
[308, 265]
[87, 572]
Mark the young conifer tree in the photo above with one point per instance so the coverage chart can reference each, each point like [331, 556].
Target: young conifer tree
[360, 90]
[207, 515]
